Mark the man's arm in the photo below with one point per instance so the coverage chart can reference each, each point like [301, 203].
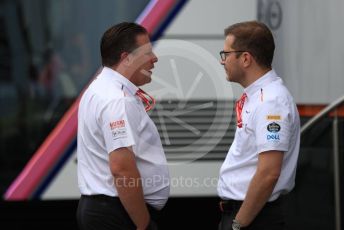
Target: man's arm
[261, 186]
[128, 184]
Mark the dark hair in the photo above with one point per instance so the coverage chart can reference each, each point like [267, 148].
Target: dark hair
[118, 39]
[255, 38]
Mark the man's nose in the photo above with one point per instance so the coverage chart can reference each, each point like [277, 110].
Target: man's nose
[154, 58]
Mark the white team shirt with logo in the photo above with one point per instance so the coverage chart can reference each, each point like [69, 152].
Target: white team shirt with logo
[270, 122]
[110, 116]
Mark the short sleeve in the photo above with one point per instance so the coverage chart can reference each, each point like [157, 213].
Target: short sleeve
[272, 126]
[118, 124]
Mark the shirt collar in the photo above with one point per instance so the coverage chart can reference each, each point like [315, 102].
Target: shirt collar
[261, 82]
[115, 76]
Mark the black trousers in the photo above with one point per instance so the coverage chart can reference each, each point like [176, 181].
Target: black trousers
[100, 212]
[271, 217]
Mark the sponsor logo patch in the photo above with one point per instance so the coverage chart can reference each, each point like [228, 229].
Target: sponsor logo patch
[118, 129]
[272, 137]
[120, 133]
[117, 124]
[273, 117]
[273, 127]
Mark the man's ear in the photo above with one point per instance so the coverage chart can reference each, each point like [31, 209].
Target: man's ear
[125, 59]
[246, 59]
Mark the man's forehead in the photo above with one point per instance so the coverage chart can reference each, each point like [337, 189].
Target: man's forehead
[229, 39]
[142, 39]
[147, 47]
[143, 42]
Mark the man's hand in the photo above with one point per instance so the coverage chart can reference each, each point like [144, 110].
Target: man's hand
[151, 226]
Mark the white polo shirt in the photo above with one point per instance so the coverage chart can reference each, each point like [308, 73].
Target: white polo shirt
[110, 116]
[270, 122]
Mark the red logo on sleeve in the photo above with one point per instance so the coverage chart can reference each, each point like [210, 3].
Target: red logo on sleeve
[117, 124]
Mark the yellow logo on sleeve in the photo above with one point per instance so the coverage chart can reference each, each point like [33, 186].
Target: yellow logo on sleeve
[273, 117]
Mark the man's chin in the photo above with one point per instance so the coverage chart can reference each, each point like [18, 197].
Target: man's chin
[146, 80]
[149, 78]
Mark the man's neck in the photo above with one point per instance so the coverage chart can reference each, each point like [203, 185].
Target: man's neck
[254, 75]
[122, 70]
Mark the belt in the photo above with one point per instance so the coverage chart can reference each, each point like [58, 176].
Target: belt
[234, 205]
[102, 197]
[155, 214]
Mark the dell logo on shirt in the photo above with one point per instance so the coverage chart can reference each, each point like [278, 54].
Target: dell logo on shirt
[272, 137]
